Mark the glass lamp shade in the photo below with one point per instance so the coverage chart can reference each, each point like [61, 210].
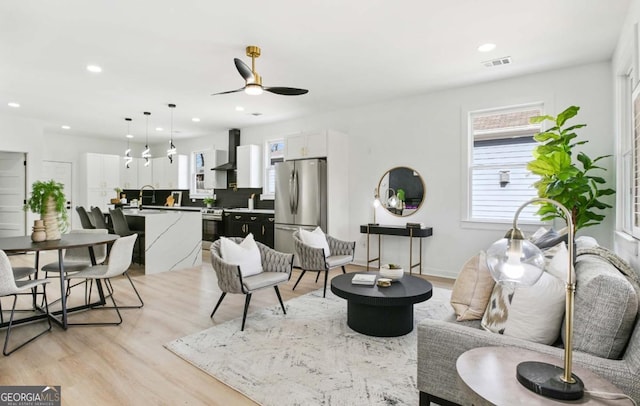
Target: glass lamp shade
[515, 261]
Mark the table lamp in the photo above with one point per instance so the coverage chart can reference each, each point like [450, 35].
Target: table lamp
[376, 204]
[516, 261]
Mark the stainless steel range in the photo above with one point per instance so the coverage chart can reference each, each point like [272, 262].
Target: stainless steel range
[212, 226]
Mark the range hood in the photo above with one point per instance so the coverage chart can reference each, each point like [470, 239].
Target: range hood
[234, 141]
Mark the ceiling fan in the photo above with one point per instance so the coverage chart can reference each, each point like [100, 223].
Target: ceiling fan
[253, 81]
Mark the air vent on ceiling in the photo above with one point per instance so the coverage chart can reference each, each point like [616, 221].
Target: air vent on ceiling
[505, 60]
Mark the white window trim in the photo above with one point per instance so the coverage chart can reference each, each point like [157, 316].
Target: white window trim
[192, 172]
[267, 160]
[467, 150]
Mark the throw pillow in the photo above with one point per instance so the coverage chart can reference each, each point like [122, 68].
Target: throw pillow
[605, 308]
[550, 239]
[472, 289]
[532, 313]
[246, 255]
[316, 239]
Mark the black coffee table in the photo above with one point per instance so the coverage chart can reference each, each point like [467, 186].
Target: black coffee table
[381, 312]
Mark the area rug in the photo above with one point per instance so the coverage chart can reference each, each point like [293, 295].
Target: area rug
[310, 356]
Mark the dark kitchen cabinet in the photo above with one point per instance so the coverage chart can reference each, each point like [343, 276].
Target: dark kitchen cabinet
[241, 224]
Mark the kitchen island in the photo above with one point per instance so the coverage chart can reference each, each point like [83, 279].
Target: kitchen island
[173, 238]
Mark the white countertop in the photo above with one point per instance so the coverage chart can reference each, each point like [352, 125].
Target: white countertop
[160, 208]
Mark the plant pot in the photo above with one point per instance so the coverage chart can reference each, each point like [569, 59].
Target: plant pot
[50, 218]
[391, 273]
[38, 234]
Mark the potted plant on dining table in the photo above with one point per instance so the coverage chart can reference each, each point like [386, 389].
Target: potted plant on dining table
[48, 200]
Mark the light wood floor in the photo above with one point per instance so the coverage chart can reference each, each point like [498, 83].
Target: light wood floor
[127, 364]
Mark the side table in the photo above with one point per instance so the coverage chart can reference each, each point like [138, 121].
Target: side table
[489, 376]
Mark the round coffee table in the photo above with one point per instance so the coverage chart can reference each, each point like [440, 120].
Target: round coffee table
[381, 312]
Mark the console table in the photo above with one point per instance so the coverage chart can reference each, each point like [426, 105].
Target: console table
[401, 231]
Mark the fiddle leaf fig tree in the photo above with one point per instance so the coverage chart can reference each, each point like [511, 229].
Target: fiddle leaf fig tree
[565, 180]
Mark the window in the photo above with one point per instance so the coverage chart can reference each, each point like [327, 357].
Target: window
[628, 193]
[274, 153]
[199, 172]
[502, 145]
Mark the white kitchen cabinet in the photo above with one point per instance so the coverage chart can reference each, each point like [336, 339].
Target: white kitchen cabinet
[102, 178]
[167, 175]
[249, 166]
[129, 176]
[306, 145]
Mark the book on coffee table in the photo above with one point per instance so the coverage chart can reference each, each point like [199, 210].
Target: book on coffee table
[363, 279]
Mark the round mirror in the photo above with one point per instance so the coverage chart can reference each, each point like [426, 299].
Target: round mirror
[401, 191]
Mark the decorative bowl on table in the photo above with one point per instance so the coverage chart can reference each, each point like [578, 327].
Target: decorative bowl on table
[391, 271]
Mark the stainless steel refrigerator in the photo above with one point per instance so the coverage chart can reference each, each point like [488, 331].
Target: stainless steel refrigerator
[301, 199]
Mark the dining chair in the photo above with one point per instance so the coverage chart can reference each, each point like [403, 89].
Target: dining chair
[85, 219]
[99, 221]
[9, 286]
[118, 263]
[121, 227]
[76, 259]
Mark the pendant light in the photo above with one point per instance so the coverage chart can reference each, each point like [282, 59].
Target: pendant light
[146, 154]
[127, 154]
[172, 148]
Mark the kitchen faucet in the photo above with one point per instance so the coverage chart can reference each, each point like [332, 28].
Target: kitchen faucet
[153, 196]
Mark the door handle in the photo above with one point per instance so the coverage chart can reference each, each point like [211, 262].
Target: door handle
[295, 191]
[287, 228]
[291, 179]
[262, 230]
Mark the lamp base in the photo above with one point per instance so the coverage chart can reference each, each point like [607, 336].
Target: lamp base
[546, 380]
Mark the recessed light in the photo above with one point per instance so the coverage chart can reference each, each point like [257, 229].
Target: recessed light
[239, 108]
[94, 68]
[159, 128]
[195, 120]
[13, 104]
[65, 127]
[487, 47]
[129, 135]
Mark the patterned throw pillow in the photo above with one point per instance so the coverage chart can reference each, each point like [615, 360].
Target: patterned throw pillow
[532, 313]
[472, 289]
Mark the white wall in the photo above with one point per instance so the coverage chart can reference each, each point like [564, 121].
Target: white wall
[25, 135]
[427, 134]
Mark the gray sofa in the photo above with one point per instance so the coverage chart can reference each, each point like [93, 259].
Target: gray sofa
[602, 330]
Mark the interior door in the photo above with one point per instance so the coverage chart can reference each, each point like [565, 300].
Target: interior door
[61, 172]
[13, 193]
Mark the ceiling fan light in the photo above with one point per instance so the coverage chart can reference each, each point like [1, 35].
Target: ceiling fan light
[253, 89]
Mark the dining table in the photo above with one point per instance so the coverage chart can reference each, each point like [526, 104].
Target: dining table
[24, 244]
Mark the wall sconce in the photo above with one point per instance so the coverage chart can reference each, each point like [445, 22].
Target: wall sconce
[504, 178]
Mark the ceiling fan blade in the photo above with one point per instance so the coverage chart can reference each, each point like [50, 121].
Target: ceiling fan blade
[229, 91]
[244, 70]
[286, 91]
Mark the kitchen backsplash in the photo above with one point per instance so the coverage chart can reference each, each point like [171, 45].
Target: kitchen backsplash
[224, 197]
